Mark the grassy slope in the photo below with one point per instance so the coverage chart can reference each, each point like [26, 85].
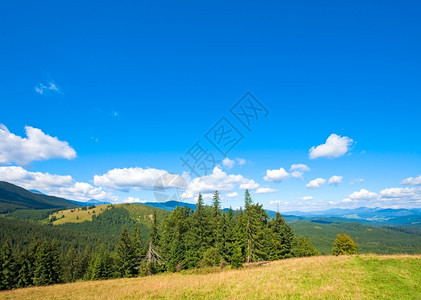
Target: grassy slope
[77, 215]
[137, 212]
[357, 277]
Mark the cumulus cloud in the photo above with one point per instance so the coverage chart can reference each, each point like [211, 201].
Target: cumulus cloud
[228, 163]
[363, 194]
[297, 170]
[265, 190]
[221, 181]
[138, 178]
[133, 200]
[316, 183]
[412, 181]
[398, 192]
[306, 198]
[45, 88]
[335, 179]
[299, 167]
[54, 185]
[335, 146]
[276, 175]
[232, 195]
[36, 146]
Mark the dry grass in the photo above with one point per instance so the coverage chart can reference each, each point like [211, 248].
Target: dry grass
[77, 215]
[356, 277]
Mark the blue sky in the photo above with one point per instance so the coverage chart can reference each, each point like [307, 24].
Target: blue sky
[132, 86]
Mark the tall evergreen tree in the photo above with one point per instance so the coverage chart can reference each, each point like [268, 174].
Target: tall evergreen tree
[8, 266]
[125, 256]
[283, 238]
[137, 244]
[47, 267]
[254, 219]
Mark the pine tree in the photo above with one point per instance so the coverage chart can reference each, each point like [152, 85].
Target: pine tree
[217, 227]
[71, 265]
[47, 264]
[282, 236]
[254, 220]
[137, 245]
[8, 266]
[153, 258]
[198, 235]
[100, 266]
[125, 256]
[237, 257]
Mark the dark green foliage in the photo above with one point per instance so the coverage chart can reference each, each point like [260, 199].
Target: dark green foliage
[303, 247]
[282, 238]
[101, 266]
[344, 245]
[47, 266]
[205, 237]
[8, 267]
[125, 256]
[237, 257]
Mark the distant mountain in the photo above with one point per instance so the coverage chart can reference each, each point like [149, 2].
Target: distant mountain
[380, 216]
[90, 202]
[36, 192]
[169, 205]
[13, 197]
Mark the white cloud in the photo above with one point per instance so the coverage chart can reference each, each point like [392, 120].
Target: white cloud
[306, 198]
[276, 175]
[297, 170]
[265, 190]
[275, 202]
[335, 179]
[232, 195]
[398, 192]
[221, 181]
[229, 163]
[139, 178]
[133, 200]
[412, 181]
[54, 185]
[315, 183]
[50, 86]
[335, 146]
[37, 146]
[363, 194]
[240, 161]
[357, 180]
[299, 167]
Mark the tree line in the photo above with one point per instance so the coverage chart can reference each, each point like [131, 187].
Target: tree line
[204, 237]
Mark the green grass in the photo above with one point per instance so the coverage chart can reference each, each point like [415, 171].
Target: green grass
[323, 277]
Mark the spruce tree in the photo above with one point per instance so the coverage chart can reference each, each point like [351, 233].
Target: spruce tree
[8, 266]
[283, 237]
[137, 245]
[125, 256]
[47, 267]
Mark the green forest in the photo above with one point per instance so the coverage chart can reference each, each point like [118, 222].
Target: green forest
[113, 245]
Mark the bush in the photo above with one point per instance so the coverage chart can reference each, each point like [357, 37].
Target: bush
[344, 245]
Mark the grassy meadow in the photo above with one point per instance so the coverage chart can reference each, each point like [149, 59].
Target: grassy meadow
[323, 277]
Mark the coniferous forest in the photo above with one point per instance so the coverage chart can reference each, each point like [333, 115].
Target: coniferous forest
[207, 236]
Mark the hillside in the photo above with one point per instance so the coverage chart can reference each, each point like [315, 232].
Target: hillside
[371, 239]
[343, 277]
[13, 198]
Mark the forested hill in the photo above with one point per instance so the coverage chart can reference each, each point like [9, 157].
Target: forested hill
[13, 197]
